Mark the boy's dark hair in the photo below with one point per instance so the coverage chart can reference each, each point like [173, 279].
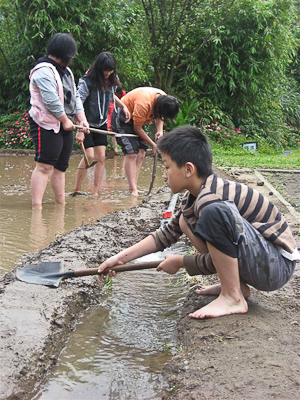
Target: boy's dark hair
[62, 46]
[165, 107]
[105, 61]
[188, 144]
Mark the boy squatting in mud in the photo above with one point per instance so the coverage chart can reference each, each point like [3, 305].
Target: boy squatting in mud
[239, 234]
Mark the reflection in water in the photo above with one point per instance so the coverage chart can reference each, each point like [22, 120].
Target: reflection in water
[42, 232]
[22, 230]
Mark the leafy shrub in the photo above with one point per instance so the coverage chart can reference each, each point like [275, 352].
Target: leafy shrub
[15, 131]
[188, 114]
[224, 136]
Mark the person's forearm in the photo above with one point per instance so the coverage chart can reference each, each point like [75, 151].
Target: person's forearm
[81, 118]
[145, 246]
[159, 124]
[118, 102]
[63, 118]
[143, 135]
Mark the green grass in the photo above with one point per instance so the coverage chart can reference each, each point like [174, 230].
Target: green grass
[255, 159]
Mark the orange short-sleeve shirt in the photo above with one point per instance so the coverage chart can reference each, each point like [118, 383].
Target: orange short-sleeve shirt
[140, 103]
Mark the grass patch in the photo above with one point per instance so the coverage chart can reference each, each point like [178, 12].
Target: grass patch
[256, 159]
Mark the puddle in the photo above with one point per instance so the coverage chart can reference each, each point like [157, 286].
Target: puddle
[23, 231]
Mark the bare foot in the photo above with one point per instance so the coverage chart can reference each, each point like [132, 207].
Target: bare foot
[223, 305]
[134, 193]
[215, 290]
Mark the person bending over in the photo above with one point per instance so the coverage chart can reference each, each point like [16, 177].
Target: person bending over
[146, 104]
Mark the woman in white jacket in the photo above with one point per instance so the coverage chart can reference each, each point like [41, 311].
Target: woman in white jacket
[54, 102]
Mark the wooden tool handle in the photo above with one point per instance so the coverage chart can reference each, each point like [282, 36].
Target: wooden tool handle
[108, 132]
[86, 160]
[120, 268]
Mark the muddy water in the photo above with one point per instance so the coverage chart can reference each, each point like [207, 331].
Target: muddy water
[23, 231]
[118, 349]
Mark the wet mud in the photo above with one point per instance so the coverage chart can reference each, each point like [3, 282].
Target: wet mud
[249, 356]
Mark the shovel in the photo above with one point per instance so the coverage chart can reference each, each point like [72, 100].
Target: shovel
[50, 273]
[86, 160]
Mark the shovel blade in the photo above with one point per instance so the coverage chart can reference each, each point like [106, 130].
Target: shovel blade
[92, 164]
[45, 273]
[87, 166]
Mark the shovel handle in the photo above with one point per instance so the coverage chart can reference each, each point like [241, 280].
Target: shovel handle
[119, 268]
[84, 154]
[108, 132]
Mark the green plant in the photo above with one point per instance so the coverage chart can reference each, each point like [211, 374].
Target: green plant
[15, 131]
[226, 136]
[188, 114]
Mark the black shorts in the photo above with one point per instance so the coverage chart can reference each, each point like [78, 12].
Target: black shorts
[261, 264]
[50, 147]
[130, 145]
[96, 139]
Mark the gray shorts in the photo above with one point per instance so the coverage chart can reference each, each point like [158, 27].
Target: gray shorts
[130, 145]
[261, 265]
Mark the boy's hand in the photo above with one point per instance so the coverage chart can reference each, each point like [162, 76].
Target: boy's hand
[110, 263]
[171, 264]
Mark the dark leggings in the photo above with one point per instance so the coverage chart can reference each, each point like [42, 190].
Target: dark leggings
[50, 147]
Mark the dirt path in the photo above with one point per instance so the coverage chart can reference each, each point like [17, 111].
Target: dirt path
[252, 356]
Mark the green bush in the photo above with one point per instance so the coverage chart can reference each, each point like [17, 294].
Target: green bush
[224, 136]
[15, 131]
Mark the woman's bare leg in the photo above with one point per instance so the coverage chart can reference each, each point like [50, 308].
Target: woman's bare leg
[130, 171]
[139, 162]
[99, 168]
[57, 181]
[81, 170]
[39, 180]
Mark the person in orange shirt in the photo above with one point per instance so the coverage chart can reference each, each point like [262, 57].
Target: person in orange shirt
[145, 104]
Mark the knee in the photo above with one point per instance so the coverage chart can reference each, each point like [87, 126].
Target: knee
[217, 220]
[131, 156]
[100, 159]
[44, 169]
[214, 212]
[142, 154]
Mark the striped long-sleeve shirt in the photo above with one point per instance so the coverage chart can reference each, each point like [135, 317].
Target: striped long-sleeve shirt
[253, 206]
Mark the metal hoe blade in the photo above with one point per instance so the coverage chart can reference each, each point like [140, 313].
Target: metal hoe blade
[45, 273]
